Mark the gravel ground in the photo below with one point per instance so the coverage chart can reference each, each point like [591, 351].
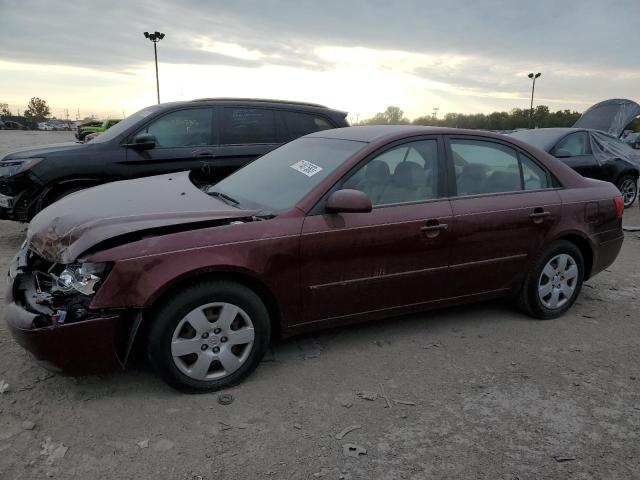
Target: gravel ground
[488, 394]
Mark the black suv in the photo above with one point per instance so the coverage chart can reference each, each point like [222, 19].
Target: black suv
[212, 137]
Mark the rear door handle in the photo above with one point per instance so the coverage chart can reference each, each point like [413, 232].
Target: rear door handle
[433, 228]
[204, 155]
[539, 214]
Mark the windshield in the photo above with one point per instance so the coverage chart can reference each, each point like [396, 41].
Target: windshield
[542, 138]
[124, 125]
[281, 178]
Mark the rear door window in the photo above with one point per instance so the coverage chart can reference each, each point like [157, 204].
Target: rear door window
[300, 124]
[483, 167]
[535, 178]
[244, 125]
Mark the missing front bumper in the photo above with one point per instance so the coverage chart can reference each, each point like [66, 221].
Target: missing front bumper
[85, 347]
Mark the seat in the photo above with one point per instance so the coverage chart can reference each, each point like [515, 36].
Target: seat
[408, 184]
[377, 178]
[472, 179]
[500, 181]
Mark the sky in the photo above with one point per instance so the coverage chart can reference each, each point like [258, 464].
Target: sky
[358, 56]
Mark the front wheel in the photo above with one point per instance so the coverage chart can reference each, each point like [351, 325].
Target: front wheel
[554, 282]
[209, 336]
[628, 187]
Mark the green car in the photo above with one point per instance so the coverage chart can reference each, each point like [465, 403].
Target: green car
[85, 129]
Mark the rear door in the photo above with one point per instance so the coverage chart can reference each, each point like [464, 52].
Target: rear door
[504, 203]
[185, 140]
[246, 133]
[395, 256]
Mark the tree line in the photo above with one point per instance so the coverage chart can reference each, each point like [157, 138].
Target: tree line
[37, 110]
[516, 118]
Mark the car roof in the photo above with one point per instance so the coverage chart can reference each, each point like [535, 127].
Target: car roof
[375, 133]
[257, 100]
[289, 104]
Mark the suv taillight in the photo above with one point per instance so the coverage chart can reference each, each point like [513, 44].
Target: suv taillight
[619, 203]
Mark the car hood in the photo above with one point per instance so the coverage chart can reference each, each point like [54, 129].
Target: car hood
[71, 226]
[611, 116]
[42, 151]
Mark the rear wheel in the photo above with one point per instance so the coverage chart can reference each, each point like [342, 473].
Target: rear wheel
[628, 186]
[209, 336]
[554, 282]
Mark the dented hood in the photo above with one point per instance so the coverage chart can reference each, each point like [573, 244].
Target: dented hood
[74, 224]
[611, 116]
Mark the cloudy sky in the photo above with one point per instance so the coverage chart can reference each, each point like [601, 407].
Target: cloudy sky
[355, 55]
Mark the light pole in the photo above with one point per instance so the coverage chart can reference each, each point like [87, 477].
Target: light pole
[533, 88]
[155, 37]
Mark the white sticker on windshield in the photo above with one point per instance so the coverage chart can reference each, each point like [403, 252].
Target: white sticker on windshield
[308, 168]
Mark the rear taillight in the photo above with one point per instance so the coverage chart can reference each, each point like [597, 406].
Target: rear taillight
[619, 203]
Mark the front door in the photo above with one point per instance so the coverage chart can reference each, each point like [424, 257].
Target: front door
[503, 207]
[582, 159]
[185, 140]
[395, 256]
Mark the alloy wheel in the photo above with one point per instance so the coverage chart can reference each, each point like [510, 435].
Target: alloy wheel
[558, 281]
[629, 190]
[212, 341]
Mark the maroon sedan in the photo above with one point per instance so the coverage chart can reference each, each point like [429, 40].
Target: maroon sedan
[337, 227]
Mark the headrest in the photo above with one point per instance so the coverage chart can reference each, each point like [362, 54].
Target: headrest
[377, 171]
[409, 174]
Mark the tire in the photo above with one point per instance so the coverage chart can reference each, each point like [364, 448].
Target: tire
[628, 186]
[535, 286]
[65, 193]
[182, 338]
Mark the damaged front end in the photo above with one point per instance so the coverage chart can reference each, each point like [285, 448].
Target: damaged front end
[47, 308]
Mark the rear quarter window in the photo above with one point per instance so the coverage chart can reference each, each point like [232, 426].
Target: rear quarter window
[300, 124]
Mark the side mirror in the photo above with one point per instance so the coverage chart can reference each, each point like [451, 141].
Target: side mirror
[562, 153]
[348, 201]
[143, 141]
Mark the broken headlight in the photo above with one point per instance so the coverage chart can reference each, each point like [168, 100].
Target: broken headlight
[9, 168]
[82, 278]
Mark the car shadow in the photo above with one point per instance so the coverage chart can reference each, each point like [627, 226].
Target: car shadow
[140, 379]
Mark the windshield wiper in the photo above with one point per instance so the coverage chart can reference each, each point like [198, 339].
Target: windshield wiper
[226, 198]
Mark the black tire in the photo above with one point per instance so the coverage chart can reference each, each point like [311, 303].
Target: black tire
[67, 192]
[168, 316]
[528, 298]
[629, 196]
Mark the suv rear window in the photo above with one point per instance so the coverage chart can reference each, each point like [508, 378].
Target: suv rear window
[241, 125]
[300, 124]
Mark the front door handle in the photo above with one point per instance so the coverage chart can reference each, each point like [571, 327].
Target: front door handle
[432, 228]
[539, 214]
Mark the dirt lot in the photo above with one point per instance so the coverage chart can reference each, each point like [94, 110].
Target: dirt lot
[497, 396]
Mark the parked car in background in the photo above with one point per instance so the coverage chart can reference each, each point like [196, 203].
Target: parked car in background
[632, 139]
[91, 136]
[12, 125]
[337, 227]
[54, 125]
[85, 129]
[213, 136]
[592, 153]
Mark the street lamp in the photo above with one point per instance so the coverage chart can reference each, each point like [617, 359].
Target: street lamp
[533, 88]
[155, 37]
